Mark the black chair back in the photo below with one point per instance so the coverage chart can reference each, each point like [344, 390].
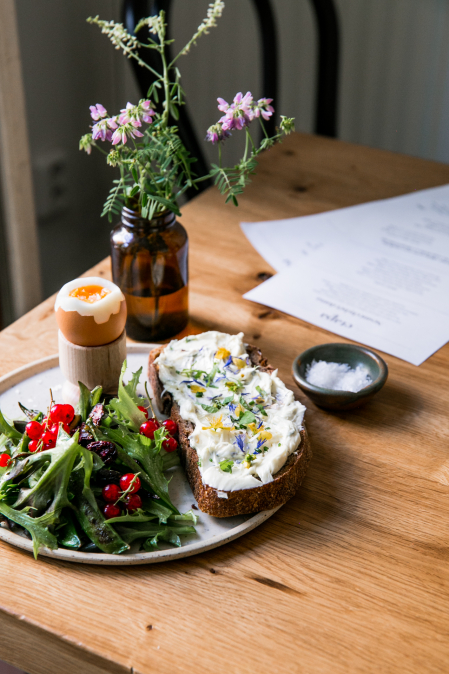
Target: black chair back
[327, 80]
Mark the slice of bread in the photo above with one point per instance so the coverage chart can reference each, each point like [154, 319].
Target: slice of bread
[285, 482]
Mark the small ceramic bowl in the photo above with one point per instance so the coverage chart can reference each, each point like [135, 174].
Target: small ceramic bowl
[340, 353]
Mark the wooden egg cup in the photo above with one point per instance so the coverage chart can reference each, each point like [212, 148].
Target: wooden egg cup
[91, 365]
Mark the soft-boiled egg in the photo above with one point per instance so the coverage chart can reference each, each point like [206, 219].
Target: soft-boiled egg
[91, 311]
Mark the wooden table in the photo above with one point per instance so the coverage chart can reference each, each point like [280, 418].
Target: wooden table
[352, 575]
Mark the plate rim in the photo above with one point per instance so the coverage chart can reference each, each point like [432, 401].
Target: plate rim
[18, 375]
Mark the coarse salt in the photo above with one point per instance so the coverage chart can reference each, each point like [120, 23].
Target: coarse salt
[338, 376]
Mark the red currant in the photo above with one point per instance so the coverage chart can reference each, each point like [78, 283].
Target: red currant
[171, 426]
[34, 430]
[170, 445]
[133, 502]
[69, 414]
[53, 430]
[111, 492]
[110, 510]
[149, 427]
[4, 460]
[126, 480]
[33, 445]
[144, 410]
[62, 413]
[49, 439]
[48, 436]
[66, 427]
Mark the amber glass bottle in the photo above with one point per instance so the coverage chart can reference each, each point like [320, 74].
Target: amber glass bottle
[150, 265]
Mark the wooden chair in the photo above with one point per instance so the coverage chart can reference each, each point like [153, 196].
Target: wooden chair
[327, 76]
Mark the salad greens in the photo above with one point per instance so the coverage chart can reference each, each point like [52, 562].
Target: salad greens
[55, 496]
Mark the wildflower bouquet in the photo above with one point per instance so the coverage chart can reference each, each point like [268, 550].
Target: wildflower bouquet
[155, 167]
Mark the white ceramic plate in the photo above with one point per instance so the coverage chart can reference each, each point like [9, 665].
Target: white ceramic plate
[30, 385]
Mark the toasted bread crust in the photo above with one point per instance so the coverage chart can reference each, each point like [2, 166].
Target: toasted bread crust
[285, 483]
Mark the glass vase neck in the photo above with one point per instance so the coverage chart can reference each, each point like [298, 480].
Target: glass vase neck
[134, 219]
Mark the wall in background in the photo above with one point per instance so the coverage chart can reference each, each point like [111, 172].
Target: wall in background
[67, 66]
[394, 92]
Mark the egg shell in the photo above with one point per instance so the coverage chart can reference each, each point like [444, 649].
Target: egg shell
[84, 331]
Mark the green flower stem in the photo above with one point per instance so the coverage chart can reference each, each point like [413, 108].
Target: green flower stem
[264, 129]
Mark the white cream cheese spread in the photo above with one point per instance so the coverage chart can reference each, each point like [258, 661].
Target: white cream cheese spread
[247, 423]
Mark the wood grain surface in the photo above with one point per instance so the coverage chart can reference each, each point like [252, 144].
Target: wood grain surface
[352, 575]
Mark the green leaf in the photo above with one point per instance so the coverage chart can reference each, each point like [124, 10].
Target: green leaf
[189, 516]
[88, 400]
[154, 532]
[139, 516]
[67, 534]
[9, 430]
[226, 465]
[170, 205]
[37, 527]
[126, 404]
[217, 405]
[244, 404]
[50, 491]
[247, 418]
[31, 414]
[95, 396]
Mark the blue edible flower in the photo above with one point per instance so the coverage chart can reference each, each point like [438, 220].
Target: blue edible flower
[240, 440]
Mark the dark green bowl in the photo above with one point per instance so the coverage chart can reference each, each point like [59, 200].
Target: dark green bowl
[340, 353]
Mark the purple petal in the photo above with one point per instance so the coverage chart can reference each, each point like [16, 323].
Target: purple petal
[116, 137]
[94, 113]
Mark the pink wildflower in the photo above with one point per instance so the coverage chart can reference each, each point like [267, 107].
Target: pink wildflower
[100, 131]
[119, 136]
[97, 112]
[264, 108]
[239, 114]
[216, 133]
[224, 106]
[135, 114]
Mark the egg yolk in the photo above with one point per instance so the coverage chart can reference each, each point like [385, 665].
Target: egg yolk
[89, 294]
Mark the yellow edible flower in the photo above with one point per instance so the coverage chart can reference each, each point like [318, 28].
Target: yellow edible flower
[265, 435]
[239, 410]
[239, 362]
[215, 425]
[197, 389]
[252, 427]
[222, 354]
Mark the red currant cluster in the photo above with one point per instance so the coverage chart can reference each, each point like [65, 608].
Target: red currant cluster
[44, 435]
[112, 493]
[149, 427]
